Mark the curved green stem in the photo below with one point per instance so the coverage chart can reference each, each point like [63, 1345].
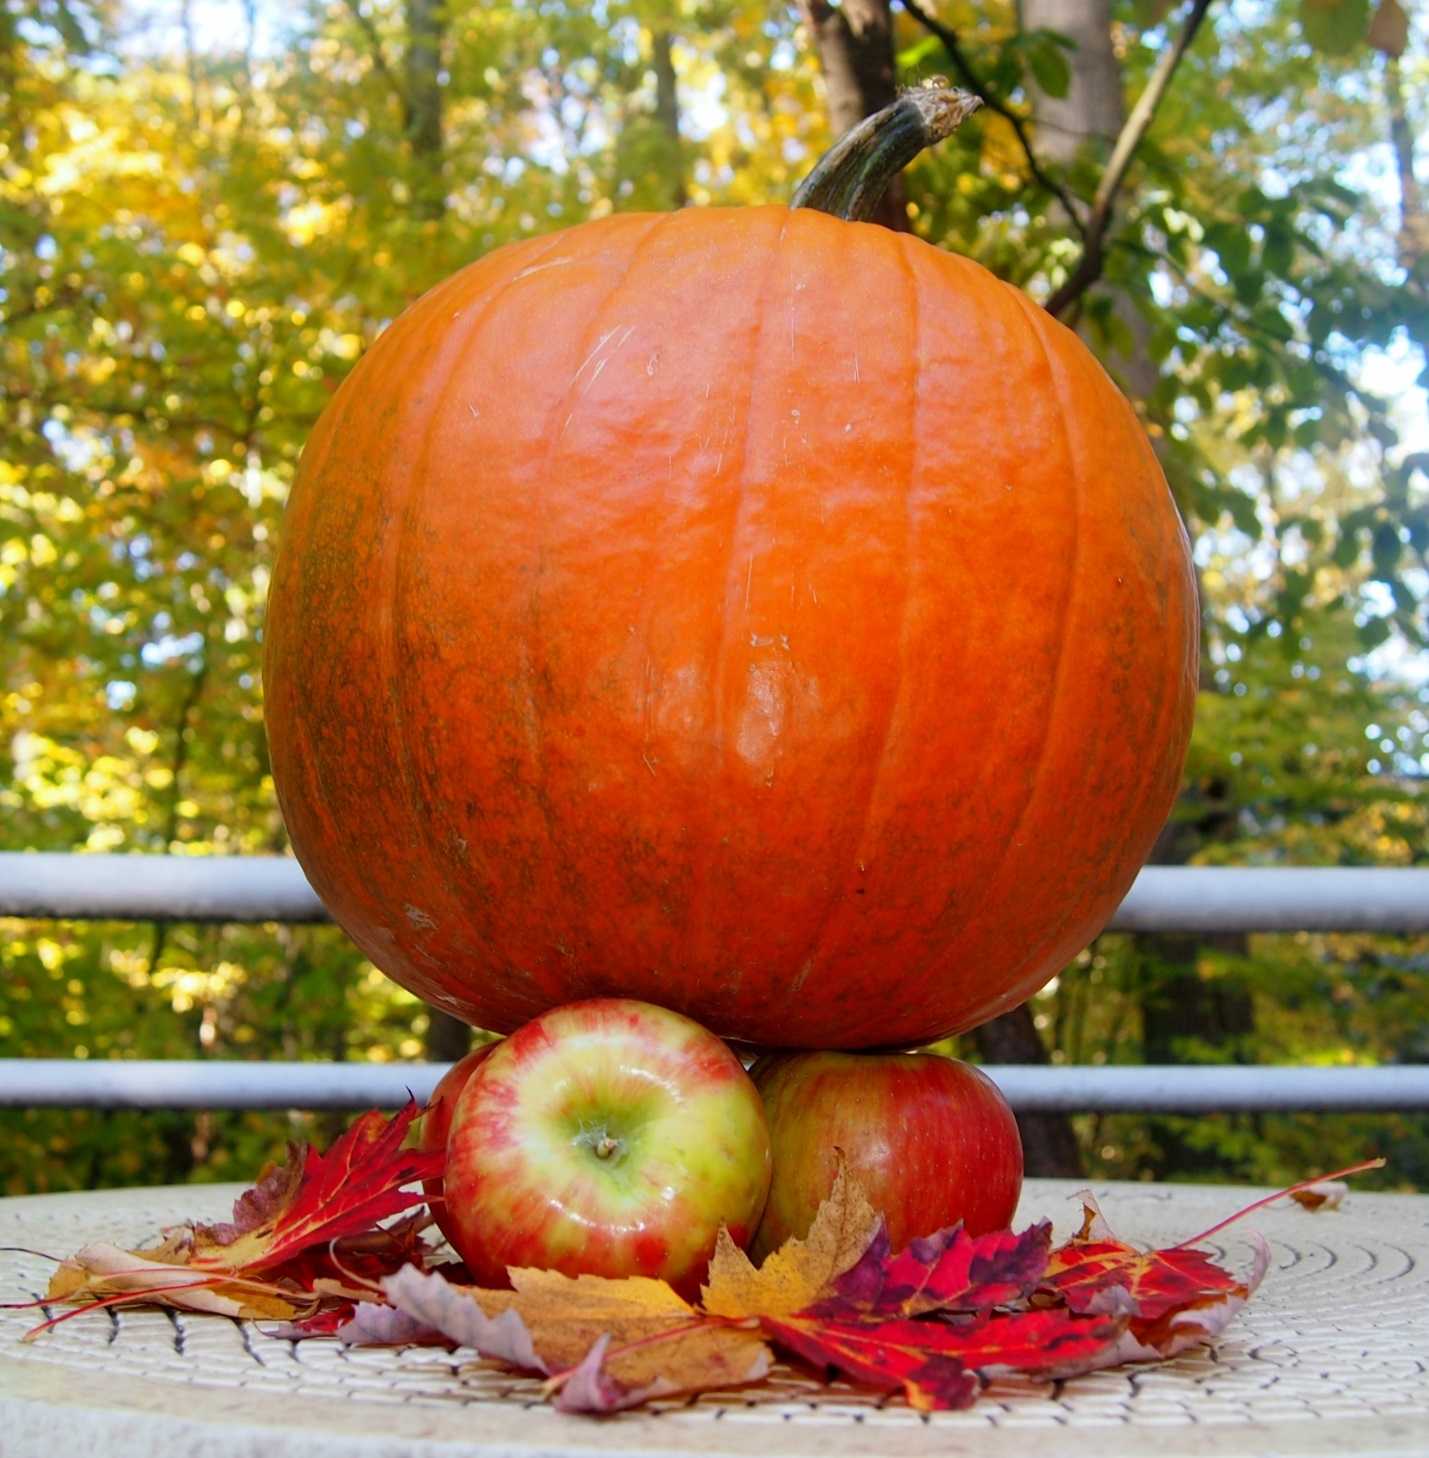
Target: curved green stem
[852, 176]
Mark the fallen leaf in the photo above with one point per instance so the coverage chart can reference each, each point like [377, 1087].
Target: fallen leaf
[1186, 1326]
[314, 1199]
[947, 1271]
[438, 1305]
[590, 1387]
[892, 1356]
[307, 1233]
[374, 1324]
[800, 1271]
[1098, 1274]
[550, 1323]
[105, 1275]
[941, 1364]
[1327, 1195]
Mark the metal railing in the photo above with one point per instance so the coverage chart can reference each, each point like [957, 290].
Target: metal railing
[273, 889]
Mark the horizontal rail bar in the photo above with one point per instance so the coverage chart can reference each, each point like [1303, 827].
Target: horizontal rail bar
[273, 888]
[156, 888]
[125, 1084]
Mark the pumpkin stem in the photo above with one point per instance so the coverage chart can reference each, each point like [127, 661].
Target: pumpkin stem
[852, 176]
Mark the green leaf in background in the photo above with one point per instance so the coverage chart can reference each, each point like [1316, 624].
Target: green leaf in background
[1048, 63]
[1147, 13]
[1334, 26]
[911, 57]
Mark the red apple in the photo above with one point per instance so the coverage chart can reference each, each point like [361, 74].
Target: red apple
[930, 1139]
[607, 1136]
[437, 1123]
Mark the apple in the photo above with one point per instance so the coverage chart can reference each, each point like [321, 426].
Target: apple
[609, 1137]
[930, 1139]
[437, 1123]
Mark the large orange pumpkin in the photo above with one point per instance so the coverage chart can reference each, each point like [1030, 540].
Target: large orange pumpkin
[766, 615]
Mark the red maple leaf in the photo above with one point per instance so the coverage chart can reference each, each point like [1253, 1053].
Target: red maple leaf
[941, 1364]
[1096, 1273]
[315, 1199]
[949, 1270]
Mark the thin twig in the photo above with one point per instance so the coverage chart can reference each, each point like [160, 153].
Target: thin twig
[973, 82]
[1089, 266]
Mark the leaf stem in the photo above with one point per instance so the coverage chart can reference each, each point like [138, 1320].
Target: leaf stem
[1353, 1169]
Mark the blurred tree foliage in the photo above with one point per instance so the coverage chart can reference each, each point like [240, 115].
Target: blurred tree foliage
[208, 209]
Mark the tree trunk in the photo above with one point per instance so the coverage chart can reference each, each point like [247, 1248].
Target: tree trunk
[447, 1039]
[422, 96]
[1091, 111]
[1049, 1144]
[667, 111]
[855, 45]
[1089, 117]
[1184, 1016]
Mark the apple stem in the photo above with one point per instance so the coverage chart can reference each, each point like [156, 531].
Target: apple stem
[606, 1147]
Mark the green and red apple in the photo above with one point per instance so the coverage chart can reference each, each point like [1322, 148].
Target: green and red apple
[436, 1126]
[609, 1137]
[931, 1141]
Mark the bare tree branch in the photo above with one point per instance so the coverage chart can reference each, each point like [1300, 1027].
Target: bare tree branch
[974, 83]
[1093, 258]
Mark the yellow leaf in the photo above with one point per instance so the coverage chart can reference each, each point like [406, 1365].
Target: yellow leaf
[797, 1273]
[567, 1315]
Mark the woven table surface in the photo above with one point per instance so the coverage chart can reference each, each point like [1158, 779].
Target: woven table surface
[1331, 1357]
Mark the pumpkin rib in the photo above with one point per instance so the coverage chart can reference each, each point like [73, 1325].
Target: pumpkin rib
[702, 896]
[1158, 786]
[989, 901]
[840, 896]
[563, 864]
[408, 510]
[311, 756]
[1034, 316]
[1159, 789]
[697, 911]
[1038, 953]
[431, 871]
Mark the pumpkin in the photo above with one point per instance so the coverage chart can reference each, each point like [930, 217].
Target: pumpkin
[752, 611]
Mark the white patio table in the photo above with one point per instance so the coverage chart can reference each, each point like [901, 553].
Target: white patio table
[1330, 1358]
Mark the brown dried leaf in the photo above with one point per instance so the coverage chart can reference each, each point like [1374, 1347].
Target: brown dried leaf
[796, 1274]
[1389, 29]
[433, 1301]
[568, 1314]
[103, 1272]
[590, 1387]
[551, 1323]
[1327, 1195]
